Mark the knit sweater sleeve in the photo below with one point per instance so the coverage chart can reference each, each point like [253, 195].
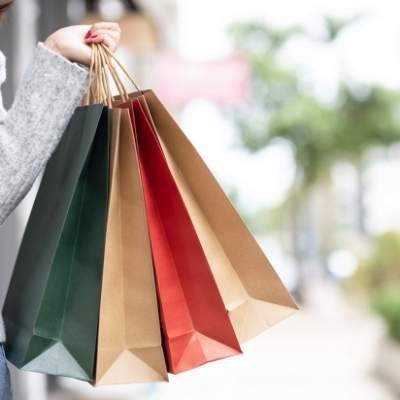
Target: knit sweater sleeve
[51, 89]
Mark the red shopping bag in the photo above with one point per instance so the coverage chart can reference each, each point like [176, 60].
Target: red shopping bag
[196, 325]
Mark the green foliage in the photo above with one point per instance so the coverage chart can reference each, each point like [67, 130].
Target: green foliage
[335, 26]
[319, 134]
[365, 117]
[387, 304]
[267, 219]
[382, 268]
[378, 278]
[307, 125]
[271, 84]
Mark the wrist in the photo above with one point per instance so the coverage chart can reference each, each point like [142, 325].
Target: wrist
[52, 45]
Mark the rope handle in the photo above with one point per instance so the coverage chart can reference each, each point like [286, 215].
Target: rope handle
[101, 68]
[97, 86]
[121, 66]
[114, 75]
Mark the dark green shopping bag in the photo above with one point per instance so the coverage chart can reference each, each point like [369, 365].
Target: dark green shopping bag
[52, 306]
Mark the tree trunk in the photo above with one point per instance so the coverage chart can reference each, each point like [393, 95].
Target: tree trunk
[296, 211]
[361, 212]
[327, 222]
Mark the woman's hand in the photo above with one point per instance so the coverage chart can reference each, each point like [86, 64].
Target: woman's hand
[74, 42]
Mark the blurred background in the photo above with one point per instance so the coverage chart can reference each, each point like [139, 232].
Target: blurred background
[295, 106]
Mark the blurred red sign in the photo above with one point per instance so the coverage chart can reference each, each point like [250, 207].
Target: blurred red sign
[225, 81]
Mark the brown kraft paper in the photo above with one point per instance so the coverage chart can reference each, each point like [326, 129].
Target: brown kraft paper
[129, 340]
[252, 292]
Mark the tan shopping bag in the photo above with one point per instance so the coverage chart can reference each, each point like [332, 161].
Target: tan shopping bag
[252, 292]
[129, 340]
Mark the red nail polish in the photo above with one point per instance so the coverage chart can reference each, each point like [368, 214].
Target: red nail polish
[88, 35]
[94, 36]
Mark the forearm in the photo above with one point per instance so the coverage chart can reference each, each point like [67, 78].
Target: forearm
[49, 93]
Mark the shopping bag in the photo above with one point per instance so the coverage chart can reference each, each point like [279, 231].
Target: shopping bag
[129, 340]
[52, 305]
[196, 326]
[251, 290]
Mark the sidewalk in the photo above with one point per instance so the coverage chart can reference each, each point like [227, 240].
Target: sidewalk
[325, 352]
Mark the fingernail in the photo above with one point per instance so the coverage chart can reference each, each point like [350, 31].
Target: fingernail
[94, 36]
[88, 35]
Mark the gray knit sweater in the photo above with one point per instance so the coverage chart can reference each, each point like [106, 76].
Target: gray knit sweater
[50, 91]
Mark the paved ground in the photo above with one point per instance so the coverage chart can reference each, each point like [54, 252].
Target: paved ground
[325, 352]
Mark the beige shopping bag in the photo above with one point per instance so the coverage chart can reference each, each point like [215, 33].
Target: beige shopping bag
[129, 340]
[251, 290]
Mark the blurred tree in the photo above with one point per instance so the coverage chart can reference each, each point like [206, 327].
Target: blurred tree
[366, 117]
[319, 134]
[378, 279]
[278, 109]
[387, 304]
[334, 26]
[381, 268]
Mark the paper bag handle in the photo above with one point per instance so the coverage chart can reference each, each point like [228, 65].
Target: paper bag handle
[101, 67]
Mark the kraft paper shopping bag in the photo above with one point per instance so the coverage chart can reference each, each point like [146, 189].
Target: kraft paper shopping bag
[129, 346]
[252, 292]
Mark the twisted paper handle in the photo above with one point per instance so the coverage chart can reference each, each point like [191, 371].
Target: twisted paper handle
[101, 68]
